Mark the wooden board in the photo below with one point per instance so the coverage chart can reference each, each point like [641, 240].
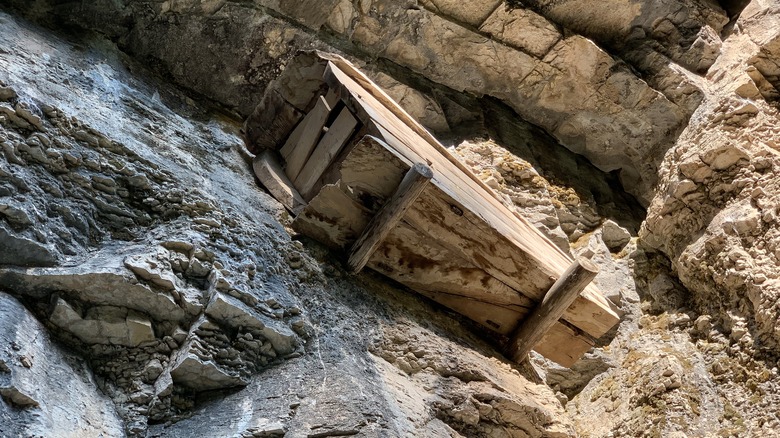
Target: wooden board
[332, 218]
[327, 149]
[414, 259]
[271, 175]
[301, 143]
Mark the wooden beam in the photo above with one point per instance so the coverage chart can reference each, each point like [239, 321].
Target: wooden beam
[304, 138]
[327, 149]
[560, 296]
[270, 173]
[392, 212]
[332, 97]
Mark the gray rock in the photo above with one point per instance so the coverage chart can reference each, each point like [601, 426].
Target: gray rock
[49, 383]
[103, 325]
[101, 281]
[614, 236]
[235, 314]
[22, 251]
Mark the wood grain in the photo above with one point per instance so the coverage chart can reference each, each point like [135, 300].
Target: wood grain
[551, 308]
[272, 176]
[327, 149]
[413, 184]
[304, 138]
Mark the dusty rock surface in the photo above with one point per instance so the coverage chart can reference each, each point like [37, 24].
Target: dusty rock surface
[149, 286]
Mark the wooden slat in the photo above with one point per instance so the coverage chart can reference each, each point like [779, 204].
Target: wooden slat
[304, 138]
[415, 181]
[564, 345]
[492, 316]
[293, 139]
[593, 310]
[326, 150]
[332, 97]
[550, 309]
[271, 175]
[332, 218]
[411, 257]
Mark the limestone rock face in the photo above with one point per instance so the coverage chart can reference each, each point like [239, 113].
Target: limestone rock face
[715, 212]
[44, 389]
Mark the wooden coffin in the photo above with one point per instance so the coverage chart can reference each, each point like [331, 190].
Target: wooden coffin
[455, 242]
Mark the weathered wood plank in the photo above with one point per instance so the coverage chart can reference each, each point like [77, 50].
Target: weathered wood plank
[415, 181]
[293, 139]
[561, 344]
[551, 308]
[332, 97]
[331, 174]
[327, 149]
[487, 314]
[301, 143]
[332, 218]
[271, 175]
[411, 257]
[564, 345]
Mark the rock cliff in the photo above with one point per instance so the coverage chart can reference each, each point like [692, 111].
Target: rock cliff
[150, 287]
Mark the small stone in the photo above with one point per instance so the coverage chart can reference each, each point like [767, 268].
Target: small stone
[139, 329]
[17, 398]
[25, 361]
[738, 332]
[404, 365]
[170, 342]
[15, 215]
[179, 335]
[614, 236]
[23, 111]
[466, 413]
[7, 93]
[703, 323]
